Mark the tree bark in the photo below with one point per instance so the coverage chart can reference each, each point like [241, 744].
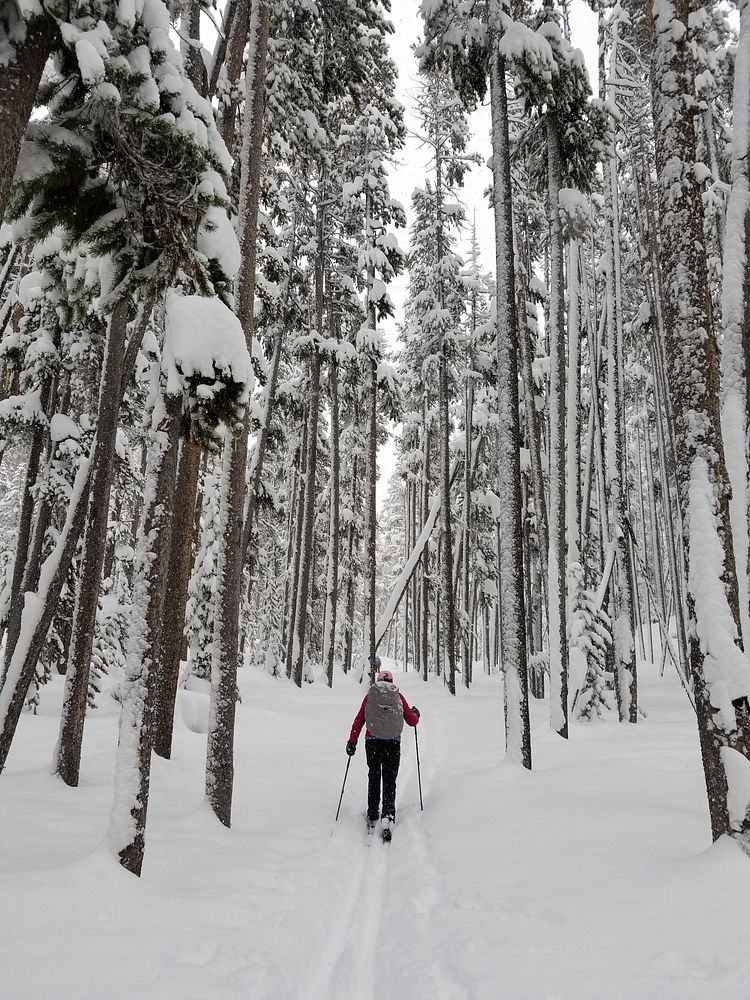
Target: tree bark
[332, 585]
[220, 751]
[626, 683]
[305, 539]
[127, 831]
[518, 732]
[721, 679]
[93, 550]
[558, 632]
[23, 542]
[229, 75]
[19, 82]
[178, 582]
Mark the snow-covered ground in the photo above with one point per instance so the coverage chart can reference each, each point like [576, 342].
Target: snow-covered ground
[590, 878]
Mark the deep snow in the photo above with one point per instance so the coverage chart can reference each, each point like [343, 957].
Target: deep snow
[589, 878]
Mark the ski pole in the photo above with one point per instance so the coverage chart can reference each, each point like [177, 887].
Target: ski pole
[419, 773]
[346, 773]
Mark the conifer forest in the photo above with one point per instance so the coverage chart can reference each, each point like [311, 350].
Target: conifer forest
[364, 346]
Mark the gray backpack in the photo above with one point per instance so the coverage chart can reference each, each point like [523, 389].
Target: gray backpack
[384, 712]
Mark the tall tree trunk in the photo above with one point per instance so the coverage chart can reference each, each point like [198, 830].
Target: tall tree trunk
[534, 433]
[220, 752]
[295, 544]
[558, 633]
[305, 541]
[719, 669]
[178, 582]
[573, 409]
[466, 567]
[23, 543]
[626, 683]
[127, 829]
[192, 49]
[306, 537]
[332, 583]
[370, 511]
[735, 307]
[228, 76]
[351, 540]
[68, 758]
[371, 363]
[518, 731]
[654, 520]
[447, 599]
[424, 500]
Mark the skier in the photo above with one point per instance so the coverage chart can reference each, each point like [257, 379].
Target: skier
[385, 710]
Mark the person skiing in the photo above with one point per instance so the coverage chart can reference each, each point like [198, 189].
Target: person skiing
[385, 710]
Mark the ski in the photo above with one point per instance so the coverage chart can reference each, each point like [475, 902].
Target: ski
[386, 835]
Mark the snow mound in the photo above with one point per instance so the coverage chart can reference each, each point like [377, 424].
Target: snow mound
[203, 338]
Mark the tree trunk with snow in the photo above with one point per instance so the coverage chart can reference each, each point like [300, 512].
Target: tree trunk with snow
[351, 545]
[176, 596]
[229, 74]
[518, 732]
[305, 539]
[735, 307]
[258, 454]
[195, 67]
[623, 607]
[534, 433]
[127, 829]
[220, 751]
[719, 669]
[370, 510]
[573, 409]
[423, 644]
[23, 543]
[295, 549]
[468, 605]
[558, 632]
[447, 600]
[68, 758]
[332, 581]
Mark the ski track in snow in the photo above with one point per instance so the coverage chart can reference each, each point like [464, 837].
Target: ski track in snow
[416, 907]
[347, 963]
[364, 951]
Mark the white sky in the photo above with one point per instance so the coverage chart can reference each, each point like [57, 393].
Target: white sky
[410, 172]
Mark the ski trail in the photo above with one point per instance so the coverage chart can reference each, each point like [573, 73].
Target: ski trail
[345, 970]
[393, 894]
[415, 898]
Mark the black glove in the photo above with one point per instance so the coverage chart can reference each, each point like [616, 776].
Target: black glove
[351, 748]
[415, 710]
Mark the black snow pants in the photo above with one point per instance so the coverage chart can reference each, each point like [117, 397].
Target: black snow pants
[383, 759]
